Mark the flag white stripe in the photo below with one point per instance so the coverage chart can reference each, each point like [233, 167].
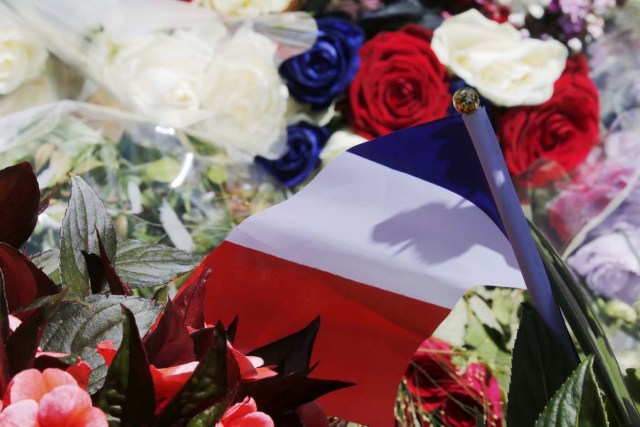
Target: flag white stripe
[372, 224]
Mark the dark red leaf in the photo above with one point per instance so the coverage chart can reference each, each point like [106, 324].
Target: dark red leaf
[23, 281]
[190, 300]
[95, 271]
[116, 286]
[19, 203]
[292, 353]
[5, 375]
[45, 361]
[169, 344]
[231, 330]
[283, 394]
[202, 340]
[23, 343]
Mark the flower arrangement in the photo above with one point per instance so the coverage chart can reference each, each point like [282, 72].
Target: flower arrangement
[225, 82]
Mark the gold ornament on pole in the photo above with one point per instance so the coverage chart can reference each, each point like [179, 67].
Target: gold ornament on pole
[466, 100]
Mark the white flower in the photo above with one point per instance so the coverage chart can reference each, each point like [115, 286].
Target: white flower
[497, 60]
[30, 94]
[245, 8]
[245, 97]
[338, 143]
[162, 76]
[22, 58]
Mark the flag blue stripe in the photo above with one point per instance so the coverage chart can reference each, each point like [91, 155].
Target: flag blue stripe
[440, 152]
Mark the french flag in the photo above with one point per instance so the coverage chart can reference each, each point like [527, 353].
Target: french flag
[381, 245]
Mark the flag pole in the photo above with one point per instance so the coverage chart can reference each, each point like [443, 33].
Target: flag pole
[467, 102]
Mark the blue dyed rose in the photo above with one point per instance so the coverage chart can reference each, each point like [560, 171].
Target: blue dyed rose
[323, 72]
[305, 142]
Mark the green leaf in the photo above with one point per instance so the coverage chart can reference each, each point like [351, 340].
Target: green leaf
[214, 382]
[577, 403]
[49, 262]
[143, 265]
[78, 327]
[209, 417]
[576, 307]
[633, 384]
[84, 216]
[164, 170]
[541, 364]
[128, 397]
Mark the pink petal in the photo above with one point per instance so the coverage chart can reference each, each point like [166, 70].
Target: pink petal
[94, 417]
[26, 385]
[21, 414]
[64, 405]
[256, 419]
[247, 406]
[57, 377]
[14, 322]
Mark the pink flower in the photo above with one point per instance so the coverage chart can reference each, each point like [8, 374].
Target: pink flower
[245, 414]
[48, 399]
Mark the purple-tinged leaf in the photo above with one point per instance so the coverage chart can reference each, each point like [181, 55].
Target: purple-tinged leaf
[86, 214]
[190, 300]
[169, 344]
[19, 202]
[215, 381]
[23, 281]
[128, 395]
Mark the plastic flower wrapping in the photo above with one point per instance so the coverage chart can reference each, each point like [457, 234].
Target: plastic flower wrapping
[156, 126]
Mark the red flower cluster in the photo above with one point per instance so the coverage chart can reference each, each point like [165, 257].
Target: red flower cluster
[544, 142]
[400, 83]
[435, 384]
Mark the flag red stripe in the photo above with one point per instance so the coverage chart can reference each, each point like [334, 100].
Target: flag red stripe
[367, 335]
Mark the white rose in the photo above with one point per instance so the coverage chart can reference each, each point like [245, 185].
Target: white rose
[162, 76]
[245, 8]
[22, 58]
[338, 143]
[32, 93]
[497, 60]
[245, 97]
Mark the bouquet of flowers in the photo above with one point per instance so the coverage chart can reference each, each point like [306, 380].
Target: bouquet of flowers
[215, 81]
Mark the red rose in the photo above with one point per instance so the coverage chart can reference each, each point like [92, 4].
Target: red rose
[542, 143]
[400, 83]
[431, 373]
